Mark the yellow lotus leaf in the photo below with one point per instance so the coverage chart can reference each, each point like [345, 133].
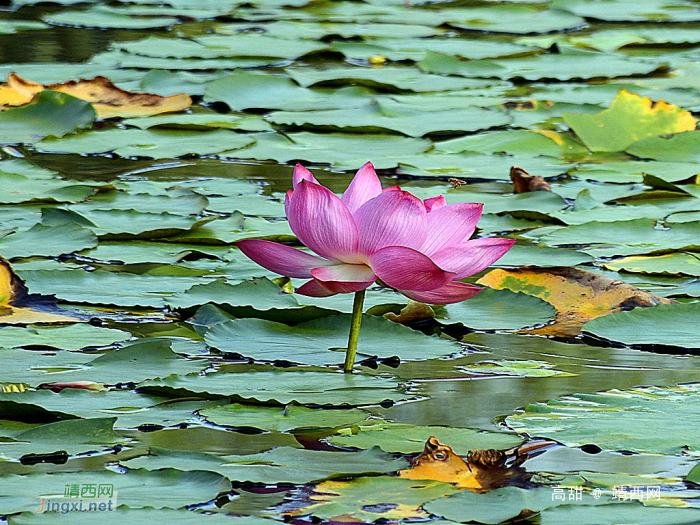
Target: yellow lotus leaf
[629, 118]
[10, 97]
[107, 99]
[12, 290]
[478, 471]
[578, 295]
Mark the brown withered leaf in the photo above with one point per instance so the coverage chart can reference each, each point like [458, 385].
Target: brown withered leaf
[479, 470]
[524, 182]
[108, 100]
[578, 295]
[413, 311]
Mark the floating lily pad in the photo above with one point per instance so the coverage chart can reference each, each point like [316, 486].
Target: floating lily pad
[627, 237]
[393, 117]
[249, 90]
[670, 264]
[493, 507]
[323, 341]
[644, 419]
[283, 388]
[72, 436]
[539, 67]
[106, 17]
[682, 147]
[200, 121]
[665, 324]
[41, 240]
[258, 298]
[367, 499]
[103, 287]
[73, 337]
[496, 310]
[177, 489]
[50, 114]
[513, 18]
[156, 143]
[524, 255]
[629, 10]
[285, 419]
[387, 77]
[279, 465]
[341, 150]
[629, 119]
[409, 439]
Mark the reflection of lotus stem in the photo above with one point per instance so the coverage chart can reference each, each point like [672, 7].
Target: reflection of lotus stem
[354, 331]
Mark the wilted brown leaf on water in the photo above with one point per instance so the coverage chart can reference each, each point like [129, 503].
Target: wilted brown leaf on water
[107, 99]
[524, 182]
[578, 295]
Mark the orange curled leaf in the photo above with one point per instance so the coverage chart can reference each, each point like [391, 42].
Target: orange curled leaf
[108, 100]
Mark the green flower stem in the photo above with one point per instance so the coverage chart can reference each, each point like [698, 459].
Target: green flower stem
[354, 331]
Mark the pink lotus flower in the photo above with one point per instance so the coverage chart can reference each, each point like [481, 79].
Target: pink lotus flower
[420, 248]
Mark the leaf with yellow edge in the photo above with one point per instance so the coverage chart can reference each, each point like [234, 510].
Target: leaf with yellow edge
[10, 97]
[578, 295]
[368, 499]
[12, 290]
[629, 118]
[107, 99]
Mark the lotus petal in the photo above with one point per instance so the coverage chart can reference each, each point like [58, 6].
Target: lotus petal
[449, 225]
[393, 218]
[281, 259]
[344, 278]
[434, 203]
[471, 257]
[323, 222]
[364, 186]
[408, 269]
[450, 293]
[300, 174]
[313, 288]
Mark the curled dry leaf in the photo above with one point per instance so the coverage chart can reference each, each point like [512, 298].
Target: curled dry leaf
[413, 311]
[107, 99]
[578, 295]
[524, 182]
[80, 385]
[479, 470]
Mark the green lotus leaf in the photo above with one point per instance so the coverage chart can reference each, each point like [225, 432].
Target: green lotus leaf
[50, 114]
[664, 324]
[176, 489]
[323, 341]
[616, 419]
[279, 465]
[283, 388]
